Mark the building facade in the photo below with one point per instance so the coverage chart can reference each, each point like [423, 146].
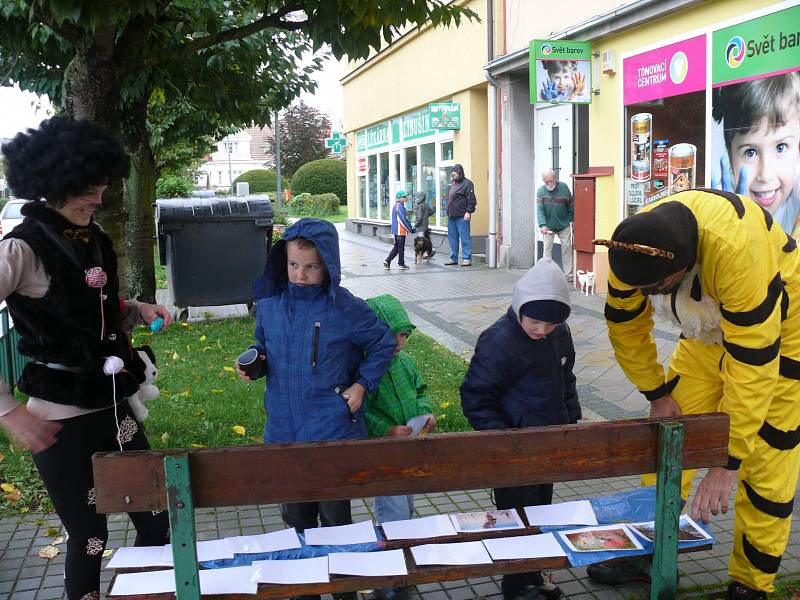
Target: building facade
[237, 153]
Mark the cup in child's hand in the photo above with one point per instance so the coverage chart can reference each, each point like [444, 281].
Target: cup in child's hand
[253, 365]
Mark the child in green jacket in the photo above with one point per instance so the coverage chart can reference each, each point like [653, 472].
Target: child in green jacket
[400, 397]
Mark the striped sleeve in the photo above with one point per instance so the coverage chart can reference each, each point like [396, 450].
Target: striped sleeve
[630, 324]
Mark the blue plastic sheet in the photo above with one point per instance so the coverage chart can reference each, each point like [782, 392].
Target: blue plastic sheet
[633, 506]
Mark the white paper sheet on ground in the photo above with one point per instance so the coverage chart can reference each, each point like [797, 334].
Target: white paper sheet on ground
[417, 423]
[207, 550]
[424, 527]
[357, 533]
[151, 582]
[284, 539]
[579, 512]
[137, 557]
[369, 564]
[234, 580]
[302, 570]
[459, 553]
[544, 545]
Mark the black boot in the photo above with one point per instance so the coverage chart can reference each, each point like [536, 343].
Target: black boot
[739, 591]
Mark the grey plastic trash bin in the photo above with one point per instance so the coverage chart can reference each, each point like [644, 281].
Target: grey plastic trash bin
[213, 248]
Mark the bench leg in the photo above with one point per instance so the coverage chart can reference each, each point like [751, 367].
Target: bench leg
[181, 522]
[664, 572]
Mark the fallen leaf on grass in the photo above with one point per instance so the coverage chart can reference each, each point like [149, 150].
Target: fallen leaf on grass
[215, 391]
[202, 338]
[49, 552]
[13, 496]
[197, 446]
[228, 369]
[795, 594]
[164, 437]
[52, 532]
[7, 487]
[58, 540]
[255, 438]
[2, 456]
[238, 429]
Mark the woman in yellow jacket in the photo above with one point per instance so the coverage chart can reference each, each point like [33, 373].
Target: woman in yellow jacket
[719, 268]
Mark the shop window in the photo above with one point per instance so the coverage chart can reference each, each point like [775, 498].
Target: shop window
[664, 148]
[410, 175]
[444, 188]
[362, 196]
[372, 193]
[446, 152]
[384, 187]
[428, 170]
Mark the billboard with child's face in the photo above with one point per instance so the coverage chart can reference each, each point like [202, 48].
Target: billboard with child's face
[756, 113]
[560, 72]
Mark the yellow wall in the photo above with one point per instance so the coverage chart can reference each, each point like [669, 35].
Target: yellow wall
[422, 67]
[606, 111]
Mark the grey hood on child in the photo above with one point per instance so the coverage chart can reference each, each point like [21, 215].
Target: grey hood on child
[545, 281]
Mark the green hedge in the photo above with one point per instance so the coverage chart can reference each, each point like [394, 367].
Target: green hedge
[174, 186]
[261, 181]
[314, 205]
[324, 176]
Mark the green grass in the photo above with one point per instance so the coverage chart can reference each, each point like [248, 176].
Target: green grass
[202, 399]
[340, 217]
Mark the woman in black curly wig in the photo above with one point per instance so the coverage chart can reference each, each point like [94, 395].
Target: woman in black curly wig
[59, 280]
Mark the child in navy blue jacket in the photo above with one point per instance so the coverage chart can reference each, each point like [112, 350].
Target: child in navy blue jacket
[324, 350]
[521, 376]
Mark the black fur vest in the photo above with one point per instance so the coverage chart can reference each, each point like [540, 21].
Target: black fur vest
[65, 325]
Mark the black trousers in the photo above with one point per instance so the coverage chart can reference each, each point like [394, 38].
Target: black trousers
[519, 498]
[398, 250]
[66, 469]
[304, 515]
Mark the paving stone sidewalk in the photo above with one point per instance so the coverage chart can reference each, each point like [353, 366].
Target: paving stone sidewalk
[452, 305]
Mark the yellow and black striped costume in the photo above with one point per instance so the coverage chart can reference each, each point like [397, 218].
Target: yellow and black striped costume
[751, 267]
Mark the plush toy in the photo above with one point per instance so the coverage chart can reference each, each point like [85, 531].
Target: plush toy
[147, 390]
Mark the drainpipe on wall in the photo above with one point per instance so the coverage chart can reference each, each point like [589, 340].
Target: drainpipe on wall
[491, 255]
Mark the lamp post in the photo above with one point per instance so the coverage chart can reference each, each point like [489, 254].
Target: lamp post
[230, 173]
[278, 189]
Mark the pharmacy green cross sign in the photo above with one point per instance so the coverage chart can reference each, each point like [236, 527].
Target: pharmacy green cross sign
[337, 142]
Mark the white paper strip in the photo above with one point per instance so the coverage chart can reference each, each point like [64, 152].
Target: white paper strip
[357, 533]
[460, 553]
[579, 512]
[207, 550]
[284, 539]
[235, 580]
[138, 557]
[424, 527]
[524, 546]
[151, 582]
[303, 570]
[374, 564]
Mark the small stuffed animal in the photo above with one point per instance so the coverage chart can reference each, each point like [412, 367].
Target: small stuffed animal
[147, 390]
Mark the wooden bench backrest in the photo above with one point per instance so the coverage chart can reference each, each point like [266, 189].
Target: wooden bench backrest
[242, 476]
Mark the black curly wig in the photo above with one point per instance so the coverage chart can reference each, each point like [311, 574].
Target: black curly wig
[63, 158]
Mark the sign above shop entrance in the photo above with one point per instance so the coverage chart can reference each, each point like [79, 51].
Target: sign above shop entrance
[560, 71]
[753, 49]
[445, 115]
[678, 68]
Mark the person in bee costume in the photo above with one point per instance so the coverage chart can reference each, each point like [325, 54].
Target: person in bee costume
[718, 266]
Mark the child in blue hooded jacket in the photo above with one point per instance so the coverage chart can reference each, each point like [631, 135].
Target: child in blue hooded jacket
[324, 350]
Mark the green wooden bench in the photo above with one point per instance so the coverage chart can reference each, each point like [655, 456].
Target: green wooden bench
[183, 480]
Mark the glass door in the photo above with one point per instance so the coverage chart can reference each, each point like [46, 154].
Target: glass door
[383, 208]
[445, 164]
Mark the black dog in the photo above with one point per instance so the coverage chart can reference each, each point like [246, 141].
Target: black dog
[423, 248]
